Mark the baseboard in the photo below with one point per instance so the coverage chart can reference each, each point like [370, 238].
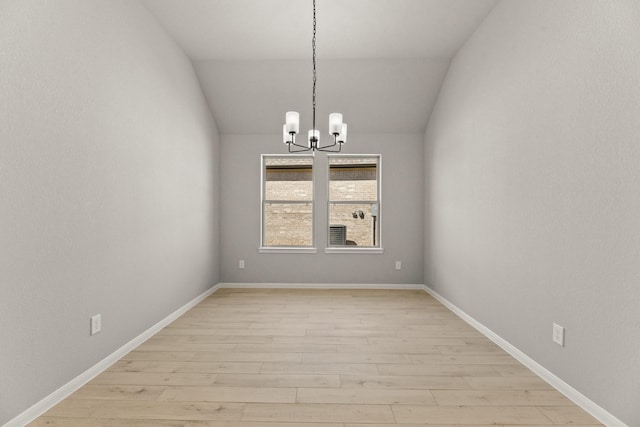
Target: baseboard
[571, 393]
[321, 286]
[63, 392]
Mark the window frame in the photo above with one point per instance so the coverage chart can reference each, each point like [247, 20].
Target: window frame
[263, 181]
[378, 249]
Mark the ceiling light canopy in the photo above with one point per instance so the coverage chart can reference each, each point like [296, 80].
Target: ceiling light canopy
[291, 128]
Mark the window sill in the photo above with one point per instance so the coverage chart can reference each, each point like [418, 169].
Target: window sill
[354, 250]
[286, 250]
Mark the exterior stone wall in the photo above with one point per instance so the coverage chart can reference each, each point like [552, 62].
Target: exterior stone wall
[288, 224]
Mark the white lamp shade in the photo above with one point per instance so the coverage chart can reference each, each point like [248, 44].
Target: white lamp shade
[335, 123]
[285, 135]
[292, 122]
[342, 138]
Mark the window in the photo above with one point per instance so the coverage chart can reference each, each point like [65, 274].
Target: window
[354, 202]
[287, 202]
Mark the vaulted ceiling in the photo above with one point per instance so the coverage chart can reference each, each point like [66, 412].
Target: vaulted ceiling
[380, 62]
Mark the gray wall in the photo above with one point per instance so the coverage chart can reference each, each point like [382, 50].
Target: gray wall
[108, 187]
[402, 210]
[532, 189]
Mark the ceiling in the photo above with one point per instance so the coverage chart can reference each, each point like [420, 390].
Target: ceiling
[379, 62]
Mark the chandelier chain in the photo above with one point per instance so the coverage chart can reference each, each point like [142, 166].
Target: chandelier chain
[313, 47]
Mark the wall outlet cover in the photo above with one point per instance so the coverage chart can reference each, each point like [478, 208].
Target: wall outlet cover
[96, 324]
[558, 334]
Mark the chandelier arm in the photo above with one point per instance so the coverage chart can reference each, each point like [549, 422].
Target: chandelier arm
[327, 149]
[292, 143]
[298, 145]
[335, 142]
[301, 146]
[298, 151]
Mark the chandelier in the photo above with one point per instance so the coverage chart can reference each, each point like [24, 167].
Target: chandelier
[291, 128]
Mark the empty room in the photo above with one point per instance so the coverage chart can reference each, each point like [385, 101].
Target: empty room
[320, 213]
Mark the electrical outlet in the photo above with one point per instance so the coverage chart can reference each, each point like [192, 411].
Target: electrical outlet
[96, 324]
[558, 334]
[398, 265]
[241, 264]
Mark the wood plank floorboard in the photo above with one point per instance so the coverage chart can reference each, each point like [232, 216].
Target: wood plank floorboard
[316, 358]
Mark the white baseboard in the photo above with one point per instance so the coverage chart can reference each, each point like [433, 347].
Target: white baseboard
[63, 392]
[321, 286]
[571, 393]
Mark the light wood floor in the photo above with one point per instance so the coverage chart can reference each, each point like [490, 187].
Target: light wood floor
[324, 358]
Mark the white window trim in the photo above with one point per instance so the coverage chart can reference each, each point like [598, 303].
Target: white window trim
[287, 249]
[379, 249]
